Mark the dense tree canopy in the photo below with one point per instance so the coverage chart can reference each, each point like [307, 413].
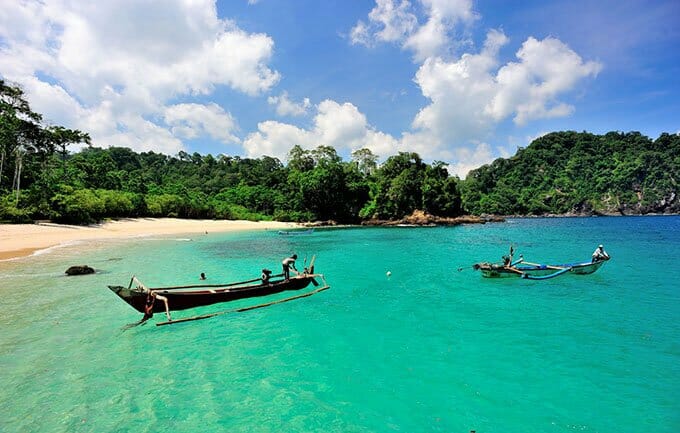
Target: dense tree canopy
[558, 173]
[580, 173]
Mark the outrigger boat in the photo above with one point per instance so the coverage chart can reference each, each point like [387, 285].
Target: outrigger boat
[296, 232]
[536, 271]
[150, 300]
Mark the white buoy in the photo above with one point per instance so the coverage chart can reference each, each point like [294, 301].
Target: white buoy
[389, 273]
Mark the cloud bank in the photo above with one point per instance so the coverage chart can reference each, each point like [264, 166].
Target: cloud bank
[112, 68]
[467, 97]
[143, 74]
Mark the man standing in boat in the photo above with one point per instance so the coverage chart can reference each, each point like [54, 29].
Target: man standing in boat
[507, 260]
[287, 263]
[600, 254]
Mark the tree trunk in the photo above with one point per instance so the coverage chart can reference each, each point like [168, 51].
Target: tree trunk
[2, 163]
[16, 183]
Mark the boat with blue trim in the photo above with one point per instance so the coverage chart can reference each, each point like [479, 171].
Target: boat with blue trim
[537, 271]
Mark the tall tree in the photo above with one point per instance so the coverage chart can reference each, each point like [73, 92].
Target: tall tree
[300, 159]
[398, 189]
[20, 129]
[440, 191]
[325, 155]
[365, 160]
[60, 138]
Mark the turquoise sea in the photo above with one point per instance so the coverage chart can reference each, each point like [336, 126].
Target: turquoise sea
[427, 349]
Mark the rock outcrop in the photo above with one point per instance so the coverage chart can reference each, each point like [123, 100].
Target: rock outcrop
[423, 219]
[79, 270]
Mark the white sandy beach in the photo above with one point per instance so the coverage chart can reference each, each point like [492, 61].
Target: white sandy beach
[19, 240]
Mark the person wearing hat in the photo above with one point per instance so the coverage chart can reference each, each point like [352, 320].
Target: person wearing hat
[289, 262]
[600, 254]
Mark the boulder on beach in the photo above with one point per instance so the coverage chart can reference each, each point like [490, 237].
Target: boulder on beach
[79, 270]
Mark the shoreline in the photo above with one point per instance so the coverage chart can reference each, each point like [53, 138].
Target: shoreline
[24, 240]
[554, 216]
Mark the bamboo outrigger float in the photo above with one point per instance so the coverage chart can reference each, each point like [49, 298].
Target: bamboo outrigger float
[150, 300]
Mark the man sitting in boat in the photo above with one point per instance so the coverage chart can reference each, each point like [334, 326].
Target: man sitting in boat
[287, 263]
[600, 254]
[266, 273]
[507, 260]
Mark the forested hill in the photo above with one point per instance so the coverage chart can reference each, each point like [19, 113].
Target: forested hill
[41, 179]
[579, 173]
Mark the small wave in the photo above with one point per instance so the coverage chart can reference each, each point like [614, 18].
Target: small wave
[56, 247]
[165, 239]
[12, 259]
[31, 275]
[43, 251]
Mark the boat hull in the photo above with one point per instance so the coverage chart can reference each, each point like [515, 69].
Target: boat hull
[198, 296]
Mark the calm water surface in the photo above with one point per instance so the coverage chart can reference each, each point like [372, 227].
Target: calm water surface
[430, 348]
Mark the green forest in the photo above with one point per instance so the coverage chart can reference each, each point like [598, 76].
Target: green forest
[559, 173]
[578, 173]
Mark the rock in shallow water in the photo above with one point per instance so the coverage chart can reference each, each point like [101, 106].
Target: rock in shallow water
[79, 270]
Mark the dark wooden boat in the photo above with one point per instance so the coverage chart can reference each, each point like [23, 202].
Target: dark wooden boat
[185, 297]
[149, 300]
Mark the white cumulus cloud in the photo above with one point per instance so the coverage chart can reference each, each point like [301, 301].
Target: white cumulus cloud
[529, 88]
[459, 92]
[470, 95]
[275, 139]
[119, 64]
[286, 107]
[396, 21]
[341, 126]
[194, 120]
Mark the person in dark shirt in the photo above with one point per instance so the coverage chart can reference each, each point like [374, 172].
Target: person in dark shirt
[287, 263]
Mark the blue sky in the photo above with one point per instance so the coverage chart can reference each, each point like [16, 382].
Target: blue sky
[455, 80]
